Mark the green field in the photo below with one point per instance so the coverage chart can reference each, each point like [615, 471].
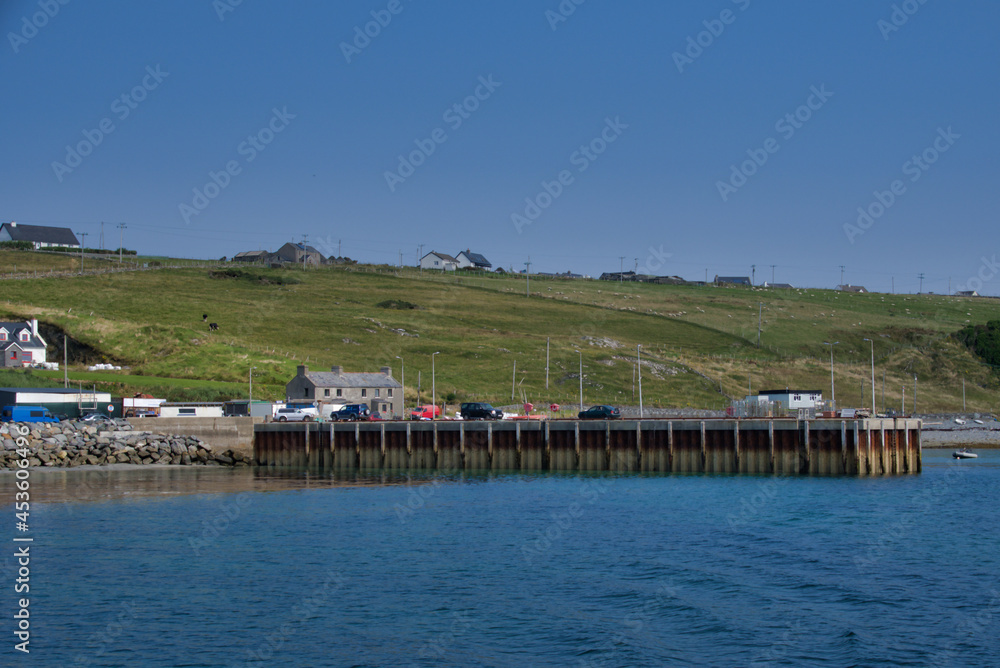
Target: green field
[699, 343]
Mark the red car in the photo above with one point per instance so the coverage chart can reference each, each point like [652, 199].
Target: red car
[426, 412]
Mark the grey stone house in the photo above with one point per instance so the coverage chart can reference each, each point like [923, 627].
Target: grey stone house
[380, 391]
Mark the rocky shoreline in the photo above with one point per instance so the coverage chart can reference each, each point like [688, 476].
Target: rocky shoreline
[70, 444]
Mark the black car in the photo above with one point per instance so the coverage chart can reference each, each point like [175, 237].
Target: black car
[351, 413]
[600, 413]
[480, 411]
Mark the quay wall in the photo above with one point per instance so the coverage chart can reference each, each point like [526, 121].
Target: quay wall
[223, 433]
[767, 446]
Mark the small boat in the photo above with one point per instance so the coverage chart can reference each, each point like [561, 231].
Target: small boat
[979, 422]
[959, 421]
[964, 453]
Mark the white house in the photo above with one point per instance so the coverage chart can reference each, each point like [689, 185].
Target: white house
[440, 261]
[469, 259]
[793, 399]
[21, 343]
[39, 236]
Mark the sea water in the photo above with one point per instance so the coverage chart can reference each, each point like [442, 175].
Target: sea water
[210, 567]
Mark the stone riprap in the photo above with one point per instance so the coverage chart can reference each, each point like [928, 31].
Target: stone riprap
[68, 444]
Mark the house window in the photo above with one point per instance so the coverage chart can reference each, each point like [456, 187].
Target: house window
[326, 393]
[3, 335]
[306, 393]
[24, 335]
[378, 393]
[390, 393]
[364, 393]
[340, 393]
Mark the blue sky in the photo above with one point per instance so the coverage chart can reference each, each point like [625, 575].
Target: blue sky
[658, 132]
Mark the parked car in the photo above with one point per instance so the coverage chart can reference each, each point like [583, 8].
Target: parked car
[292, 415]
[351, 413]
[602, 412]
[476, 410]
[375, 416]
[97, 417]
[26, 414]
[426, 412]
[141, 412]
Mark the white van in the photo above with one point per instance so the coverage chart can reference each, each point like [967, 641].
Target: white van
[293, 415]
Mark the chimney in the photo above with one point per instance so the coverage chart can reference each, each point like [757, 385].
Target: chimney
[34, 327]
[13, 224]
[387, 371]
[337, 369]
[302, 369]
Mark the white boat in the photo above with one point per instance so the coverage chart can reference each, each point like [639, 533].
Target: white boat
[964, 453]
[979, 422]
[959, 421]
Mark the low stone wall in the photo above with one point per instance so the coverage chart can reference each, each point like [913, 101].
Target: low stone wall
[70, 444]
[228, 433]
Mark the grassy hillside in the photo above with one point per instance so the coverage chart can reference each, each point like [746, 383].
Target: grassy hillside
[698, 343]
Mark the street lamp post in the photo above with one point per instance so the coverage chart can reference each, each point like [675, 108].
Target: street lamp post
[250, 406]
[833, 390]
[402, 365]
[638, 357]
[433, 385]
[581, 378]
[873, 374]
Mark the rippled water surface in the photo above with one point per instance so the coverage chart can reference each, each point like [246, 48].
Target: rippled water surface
[189, 567]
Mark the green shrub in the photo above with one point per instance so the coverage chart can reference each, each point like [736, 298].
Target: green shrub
[983, 340]
[398, 304]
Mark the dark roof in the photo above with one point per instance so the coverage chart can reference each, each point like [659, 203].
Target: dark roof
[256, 253]
[14, 329]
[766, 392]
[349, 379]
[62, 236]
[738, 280]
[477, 259]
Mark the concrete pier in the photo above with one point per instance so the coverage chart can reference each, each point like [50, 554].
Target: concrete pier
[867, 447]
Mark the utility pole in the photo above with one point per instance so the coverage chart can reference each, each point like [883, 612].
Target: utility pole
[914, 394]
[963, 394]
[513, 381]
[402, 382]
[420, 256]
[250, 405]
[400, 259]
[121, 240]
[82, 246]
[760, 312]
[842, 267]
[527, 276]
[903, 406]
[581, 378]
[546, 363]
[339, 241]
[833, 389]
[66, 369]
[921, 289]
[753, 274]
[638, 359]
[772, 273]
[883, 393]
[621, 269]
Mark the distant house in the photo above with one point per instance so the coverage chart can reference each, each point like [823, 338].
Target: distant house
[567, 274]
[299, 254]
[39, 236]
[733, 280]
[380, 391]
[442, 261]
[21, 343]
[469, 259]
[783, 286]
[793, 399]
[858, 289]
[967, 293]
[254, 257]
[618, 276]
